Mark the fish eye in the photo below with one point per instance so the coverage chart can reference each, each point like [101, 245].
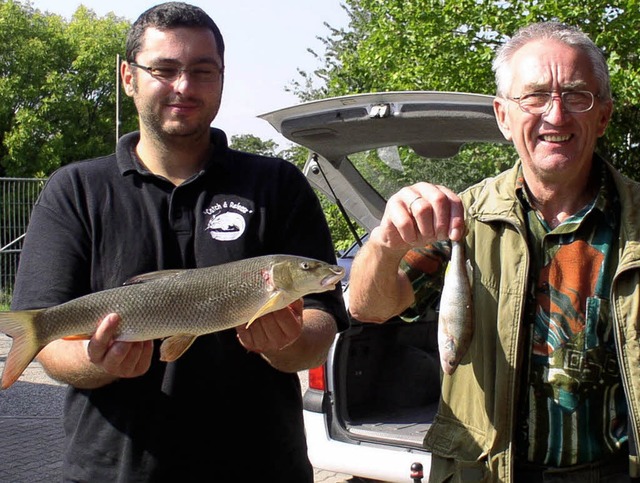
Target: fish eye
[305, 265]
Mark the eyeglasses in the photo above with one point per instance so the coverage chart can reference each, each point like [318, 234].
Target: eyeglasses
[203, 74]
[540, 102]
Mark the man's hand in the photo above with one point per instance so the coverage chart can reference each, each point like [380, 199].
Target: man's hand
[274, 331]
[285, 342]
[414, 217]
[418, 215]
[118, 358]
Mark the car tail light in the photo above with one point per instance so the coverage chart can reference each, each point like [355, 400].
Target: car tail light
[316, 378]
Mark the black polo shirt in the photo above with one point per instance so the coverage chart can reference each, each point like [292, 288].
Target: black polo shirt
[219, 413]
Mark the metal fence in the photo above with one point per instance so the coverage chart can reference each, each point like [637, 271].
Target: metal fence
[17, 197]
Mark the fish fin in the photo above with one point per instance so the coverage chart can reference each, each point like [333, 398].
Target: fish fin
[20, 326]
[152, 276]
[469, 270]
[176, 345]
[274, 303]
[78, 337]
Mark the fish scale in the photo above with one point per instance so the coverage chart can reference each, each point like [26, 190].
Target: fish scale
[175, 304]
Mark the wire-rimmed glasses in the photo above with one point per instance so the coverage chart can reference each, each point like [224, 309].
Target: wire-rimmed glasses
[205, 73]
[540, 102]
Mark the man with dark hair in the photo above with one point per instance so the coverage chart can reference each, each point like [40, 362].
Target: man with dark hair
[175, 196]
[548, 389]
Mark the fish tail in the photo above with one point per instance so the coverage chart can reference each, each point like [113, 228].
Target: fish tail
[20, 326]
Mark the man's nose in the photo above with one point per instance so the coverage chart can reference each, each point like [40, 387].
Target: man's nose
[556, 108]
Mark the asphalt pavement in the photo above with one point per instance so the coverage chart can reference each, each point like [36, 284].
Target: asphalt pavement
[30, 426]
[31, 438]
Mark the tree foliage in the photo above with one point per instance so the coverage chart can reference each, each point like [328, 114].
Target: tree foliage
[253, 144]
[448, 46]
[57, 88]
[441, 45]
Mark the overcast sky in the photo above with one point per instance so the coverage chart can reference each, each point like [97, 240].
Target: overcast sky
[266, 42]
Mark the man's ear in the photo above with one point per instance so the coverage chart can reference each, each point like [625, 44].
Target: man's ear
[500, 108]
[127, 78]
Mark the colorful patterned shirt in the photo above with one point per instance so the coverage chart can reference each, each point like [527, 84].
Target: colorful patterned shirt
[573, 408]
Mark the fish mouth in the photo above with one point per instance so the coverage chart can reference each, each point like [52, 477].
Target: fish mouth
[337, 274]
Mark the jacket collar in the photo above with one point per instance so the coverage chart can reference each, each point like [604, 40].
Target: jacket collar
[495, 199]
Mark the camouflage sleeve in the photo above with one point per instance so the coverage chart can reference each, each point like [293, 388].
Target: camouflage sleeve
[425, 268]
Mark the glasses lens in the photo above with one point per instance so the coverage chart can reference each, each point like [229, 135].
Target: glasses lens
[197, 74]
[577, 101]
[572, 101]
[535, 103]
[205, 74]
[168, 74]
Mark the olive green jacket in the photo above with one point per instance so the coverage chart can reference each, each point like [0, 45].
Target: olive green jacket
[471, 437]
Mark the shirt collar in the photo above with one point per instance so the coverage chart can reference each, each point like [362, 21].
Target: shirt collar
[128, 161]
[605, 201]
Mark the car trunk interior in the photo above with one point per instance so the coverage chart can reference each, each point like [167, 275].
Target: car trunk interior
[389, 384]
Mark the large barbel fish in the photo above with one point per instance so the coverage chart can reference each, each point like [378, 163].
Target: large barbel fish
[455, 320]
[175, 305]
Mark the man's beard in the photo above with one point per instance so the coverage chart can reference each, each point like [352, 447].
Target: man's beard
[169, 131]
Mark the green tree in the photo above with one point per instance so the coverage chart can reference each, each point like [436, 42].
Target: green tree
[57, 88]
[253, 144]
[448, 46]
[442, 45]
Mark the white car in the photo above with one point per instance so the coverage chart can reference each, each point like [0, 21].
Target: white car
[368, 408]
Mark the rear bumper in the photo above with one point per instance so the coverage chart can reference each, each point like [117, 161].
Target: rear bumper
[365, 460]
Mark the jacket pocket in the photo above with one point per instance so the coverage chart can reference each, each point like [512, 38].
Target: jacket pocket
[448, 470]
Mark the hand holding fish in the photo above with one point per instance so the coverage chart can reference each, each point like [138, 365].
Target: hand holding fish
[99, 360]
[291, 339]
[415, 216]
[418, 215]
[118, 358]
[274, 331]
[422, 214]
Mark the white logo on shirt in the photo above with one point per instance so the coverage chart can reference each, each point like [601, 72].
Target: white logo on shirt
[227, 220]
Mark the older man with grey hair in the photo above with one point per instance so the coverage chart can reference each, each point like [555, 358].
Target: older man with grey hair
[549, 387]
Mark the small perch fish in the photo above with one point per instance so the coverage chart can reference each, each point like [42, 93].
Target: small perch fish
[455, 321]
[178, 305]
